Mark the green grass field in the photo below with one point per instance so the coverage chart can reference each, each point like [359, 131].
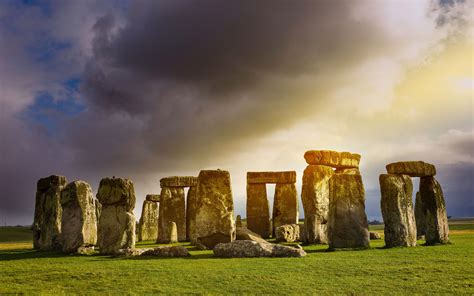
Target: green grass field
[447, 269]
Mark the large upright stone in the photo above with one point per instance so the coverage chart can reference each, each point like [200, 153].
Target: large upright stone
[397, 210]
[258, 210]
[214, 219]
[173, 238]
[172, 209]
[315, 198]
[419, 216]
[48, 211]
[339, 160]
[116, 229]
[148, 226]
[79, 219]
[285, 205]
[347, 224]
[436, 227]
[412, 168]
[191, 209]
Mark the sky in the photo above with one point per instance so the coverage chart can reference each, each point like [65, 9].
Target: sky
[147, 89]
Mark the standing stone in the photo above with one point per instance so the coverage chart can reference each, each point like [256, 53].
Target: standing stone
[315, 198]
[148, 226]
[397, 210]
[238, 221]
[173, 233]
[191, 208]
[48, 212]
[285, 205]
[419, 216]
[436, 227]
[214, 219]
[116, 229]
[172, 209]
[79, 220]
[347, 223]
[258, 210]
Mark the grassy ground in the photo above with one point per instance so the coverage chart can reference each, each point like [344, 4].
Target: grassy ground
[447, 269]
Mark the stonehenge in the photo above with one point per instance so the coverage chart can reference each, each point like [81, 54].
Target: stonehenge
[397, 210]
[48, 213]
[173, 206]
[285, 204]
[214, 218]
[403, 224]
[79, 220]
[116, 227]
[69, 218]
[148, 225]
[347, 221]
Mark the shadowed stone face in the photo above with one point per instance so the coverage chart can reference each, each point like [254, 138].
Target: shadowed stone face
[148, 226]
[172, 209]
[79, 221]
[419, 216]
[258, 210]
[412, 168]
[191, 208]
[116, 228]
[347, 225]
[48, 212]
[315, 198]
[397, 210]
[285, 205]
[434, 208]
[214, 220]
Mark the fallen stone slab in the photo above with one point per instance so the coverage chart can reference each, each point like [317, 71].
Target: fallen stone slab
[251, 249]
[271, 177]
[411, 168]
[374, 235]
[167, 251]
[178, 181]
[338, 160]
[242, 233]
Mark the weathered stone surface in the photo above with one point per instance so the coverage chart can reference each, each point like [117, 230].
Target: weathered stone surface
[173, 233]
[172, 209]
[285, 205]
[258, 210]
[117, 191]
[374, 235]
[153, 197]
[271, 177]
[191, 209]
[238, 221]
[247, 248]
[167, 251]
[347, 224]
[178, 181]
[350, 171]
[332, 158]
[289, 233]
[315, 198]
[397, 210]
[86, 250]
[148, 226]
[242, 233]
[419, 216]
[130, 252]
[434, 209]
[411, 168]
[116, 228]
[79, 221]
[48, 212]
[214, 219]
